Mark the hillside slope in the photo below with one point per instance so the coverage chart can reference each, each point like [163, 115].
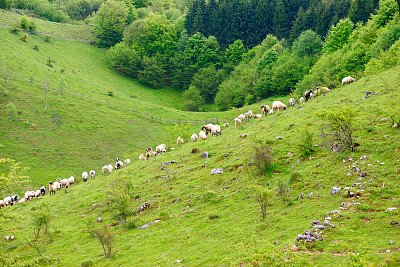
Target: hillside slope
[215, 220]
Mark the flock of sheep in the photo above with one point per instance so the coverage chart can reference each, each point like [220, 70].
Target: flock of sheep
[58, 184]
[215, 130]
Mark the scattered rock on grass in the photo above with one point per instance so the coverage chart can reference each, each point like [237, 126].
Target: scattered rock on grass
[217, 171]
[390, 209]
[148, 224]
[204, 155]
[335, 190]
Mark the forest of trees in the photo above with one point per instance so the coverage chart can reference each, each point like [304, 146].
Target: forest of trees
[236, 52]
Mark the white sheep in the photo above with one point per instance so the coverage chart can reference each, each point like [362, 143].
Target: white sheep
[150, 153]
[52, 188]
[104, 169]
[301, 101]
[292, 102]
[202, 135]
[109, 168]
[63, 182]
[322, 90]
[22, 200]
[142, 157]
[92, 173]
[161, 149]
[242, 117]
[237, 121]
[27, 195]
[58, 185]
[216, 129]
[278, 105]
[85, 176]
[37, 193]
[8, 201]
[249, 114]
[118, 164]
[2, 203]
[348, 79]
[226, 124]
[127, 162]
[271, 111]
[258, 116]
[265, 109]
[194, 137]
[179, 141]
[71, 180]
[207, 128]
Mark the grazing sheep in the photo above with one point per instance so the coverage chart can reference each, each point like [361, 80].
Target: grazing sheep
[161, 149]
[292, 102]
[15, 198]
[308, 94]
[109, 168]
[8, 201]
[207, 128]
[118, 164]
[249, 114]
[63, 182]
[2, 203]
[179, 141]
[226, 124]
[85, 176]
[92, 173]
[301, 101]
[265, 109]
[52, 188]
[194, 137]
[27, 195]
[258, 116]
[202, 135]
[71, 180]
[37, 193]
[322, 90]
[150, 154]
[278, 105]
[271, 111]
[242, 117]
[58, 185]
[22, 200]
[237, 121]
[43, 190]
[104, 169]
[142, 157]
[216, 129]
[348, 79]
[127, 162]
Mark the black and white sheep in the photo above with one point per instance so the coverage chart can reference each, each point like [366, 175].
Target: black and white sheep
[160, 149]
[52, 188]
[92, 173]
[118, 164]
[43, 190]
[292, 102]
[265, 109]
[85, 176]
[8, 201]
[308, 94]
[2, 203]
[207, 128]
[258, 116]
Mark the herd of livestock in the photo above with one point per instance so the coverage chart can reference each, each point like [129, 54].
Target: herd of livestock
[215, 130]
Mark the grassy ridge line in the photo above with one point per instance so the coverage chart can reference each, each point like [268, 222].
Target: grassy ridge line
[78, 31]
[85, 72]
[214, 220]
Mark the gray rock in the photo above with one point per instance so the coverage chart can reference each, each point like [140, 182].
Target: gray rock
[204, 155]
[318, 227]
[217, 171]
[279, 137]
[310, 195]
[315, 222]
[98, 219]
[148, 224]
[335, 190]
[390, 242]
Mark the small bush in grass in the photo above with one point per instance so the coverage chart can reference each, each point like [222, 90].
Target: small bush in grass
[11, 110]
[24, 37]
[295, 177]
[47, 39]
[36, 47]
[15, 29]
[103, 234]
[130, 225]
[305, 146]
[87, 263]
[110, 93]
[32, 26]
[263, 197]
[41, 220]
[263, 159]
[24, 23]
[283, 190]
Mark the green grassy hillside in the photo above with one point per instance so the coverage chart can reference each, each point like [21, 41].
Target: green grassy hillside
[215, 220]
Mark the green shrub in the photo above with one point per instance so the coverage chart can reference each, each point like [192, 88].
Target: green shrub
[24, 23]
[15, 29]
[36, 47]
[305, 146]
[192, 100]
[47, 39]
[11, 110]
[263, 159]
[386, 39]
